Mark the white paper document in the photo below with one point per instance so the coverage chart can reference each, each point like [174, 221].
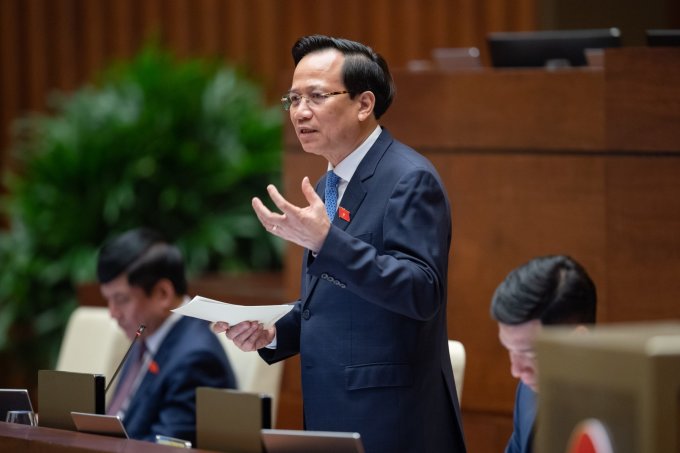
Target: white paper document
[214, 310]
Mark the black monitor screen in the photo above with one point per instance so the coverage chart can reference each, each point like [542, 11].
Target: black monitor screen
[548, 48]
[661, 38]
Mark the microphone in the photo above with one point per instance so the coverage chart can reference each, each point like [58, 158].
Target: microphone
[120, 365]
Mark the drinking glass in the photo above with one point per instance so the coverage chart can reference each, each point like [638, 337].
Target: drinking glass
[22, 417]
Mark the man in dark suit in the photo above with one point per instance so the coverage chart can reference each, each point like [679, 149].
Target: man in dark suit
[370, 324]
[142, 278]
[549, 290]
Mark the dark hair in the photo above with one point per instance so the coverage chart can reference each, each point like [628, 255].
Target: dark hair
[363, 69]
[554, 289]
[145, 257]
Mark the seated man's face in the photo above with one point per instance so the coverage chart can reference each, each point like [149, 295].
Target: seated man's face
[519, 340]
[130, 306]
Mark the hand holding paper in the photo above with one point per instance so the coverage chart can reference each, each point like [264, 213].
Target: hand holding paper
[248, 335]
[215, 311]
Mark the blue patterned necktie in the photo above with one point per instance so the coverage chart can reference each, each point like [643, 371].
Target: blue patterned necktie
[331, 194]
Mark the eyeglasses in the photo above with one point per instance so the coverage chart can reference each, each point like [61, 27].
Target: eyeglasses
[293, 99]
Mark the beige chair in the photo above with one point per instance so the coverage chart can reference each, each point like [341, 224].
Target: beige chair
[457, 355]
[92, 343]
[253, 374]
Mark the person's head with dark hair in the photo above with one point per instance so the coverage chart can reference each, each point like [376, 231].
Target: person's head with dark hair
[142, 278]
[549, 290]
[363, 68]
[340, 89]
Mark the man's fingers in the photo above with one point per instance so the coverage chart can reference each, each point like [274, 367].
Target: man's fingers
[309, 192]
[250, 344]
[279, 201]
[263, 213]
[258, 205]
[247, 340]
[220, 327]
[267, 218]
[241, 330]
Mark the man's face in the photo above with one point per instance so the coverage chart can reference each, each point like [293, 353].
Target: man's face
[130, 306]
[330, 129]
[519, 340]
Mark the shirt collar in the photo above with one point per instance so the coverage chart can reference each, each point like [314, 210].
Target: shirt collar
[153, 341]
[349, 164]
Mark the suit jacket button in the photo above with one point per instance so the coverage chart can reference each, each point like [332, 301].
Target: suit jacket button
[306, 314]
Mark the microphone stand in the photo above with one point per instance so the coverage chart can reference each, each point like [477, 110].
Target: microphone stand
[120, 365]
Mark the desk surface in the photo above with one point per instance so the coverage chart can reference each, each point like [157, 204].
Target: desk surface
[15, 437]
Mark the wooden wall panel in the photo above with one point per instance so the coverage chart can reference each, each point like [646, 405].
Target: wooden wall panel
[643, 236]
[486, 433]
[643, 103]
[10, 102]
[64, 22]
[35, 36]
[566, 118]
[92, 53]
[61, 44]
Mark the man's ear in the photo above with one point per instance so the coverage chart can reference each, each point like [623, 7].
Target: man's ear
[164, 293]
[366, 105]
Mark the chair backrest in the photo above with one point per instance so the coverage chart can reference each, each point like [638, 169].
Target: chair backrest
[457, 355]
[253, 374]
[92, 343]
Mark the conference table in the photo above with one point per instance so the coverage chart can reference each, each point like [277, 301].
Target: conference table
[35, 439]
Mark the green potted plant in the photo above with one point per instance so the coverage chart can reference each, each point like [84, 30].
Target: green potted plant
[181, 146]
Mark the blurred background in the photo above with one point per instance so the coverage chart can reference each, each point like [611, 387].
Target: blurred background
[165, 112]
[61, 44]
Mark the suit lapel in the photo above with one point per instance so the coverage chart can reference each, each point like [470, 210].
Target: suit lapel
[356, 189]
[353, 197]
[160, 358]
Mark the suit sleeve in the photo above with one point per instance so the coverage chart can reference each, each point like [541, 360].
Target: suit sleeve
[287, 337]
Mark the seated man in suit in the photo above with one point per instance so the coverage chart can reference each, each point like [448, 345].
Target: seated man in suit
[548, 290]
[142, 278]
